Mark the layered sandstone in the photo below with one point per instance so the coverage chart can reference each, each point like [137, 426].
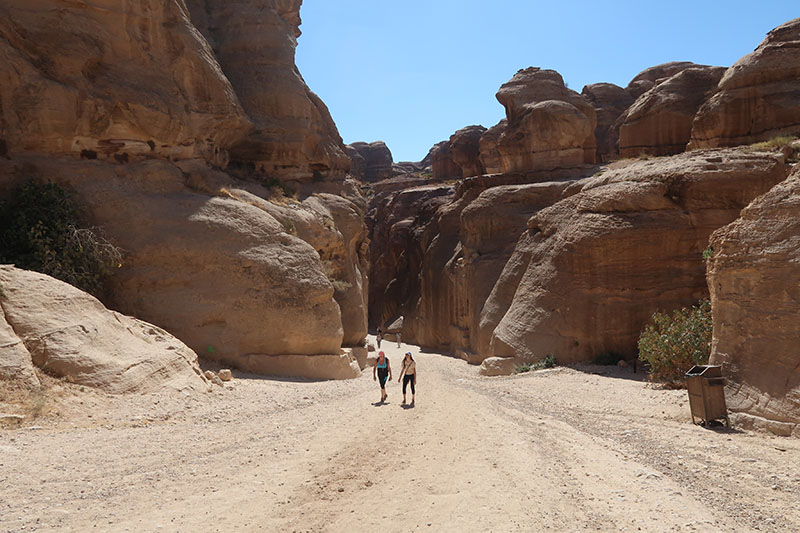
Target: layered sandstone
[548, 126]
[213, 261]
[254, 41]
[610, 102]
[459, 157]
[589, 271]
[759, 96]
[370, 161]
[146, 111]
[660, 121]
[112, 80]
[69, 333]
[752, 276]
[438, 251]
[651, 76]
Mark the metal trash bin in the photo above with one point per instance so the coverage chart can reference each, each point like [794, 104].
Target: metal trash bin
[706, 388]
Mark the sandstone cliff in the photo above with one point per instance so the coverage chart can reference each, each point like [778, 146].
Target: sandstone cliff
[660, 121]
[547, 126]
[758, 97]
[590, 270]
[753, 278]
[370, 161]
[172, 123]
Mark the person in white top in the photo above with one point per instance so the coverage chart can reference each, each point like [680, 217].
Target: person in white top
[409, 375]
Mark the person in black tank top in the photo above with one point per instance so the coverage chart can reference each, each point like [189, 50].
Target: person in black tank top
[383, 371]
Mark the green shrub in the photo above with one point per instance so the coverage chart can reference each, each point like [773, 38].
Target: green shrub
[547, 362]
[671, 345]
[39, 230]
[525, 367]
[708, 253]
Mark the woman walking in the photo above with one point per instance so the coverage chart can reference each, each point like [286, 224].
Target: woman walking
[384, 371]
[409, 375]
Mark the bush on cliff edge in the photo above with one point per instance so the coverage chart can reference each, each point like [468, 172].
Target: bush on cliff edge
[39, 230]
[672, 344]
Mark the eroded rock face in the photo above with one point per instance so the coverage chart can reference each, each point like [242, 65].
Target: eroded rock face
[71, 334]
[465, 150]
[370, 161]
[758, 97]
[548, 126]
[609, 101]
[660, 121]
[489, 153]
[113, 79]
[437, 253]
[135, 106]
[255, 41]
[15, 359]
[215, 263]
[443, 165]
[588, 273]
[753, 278]
[649, 77]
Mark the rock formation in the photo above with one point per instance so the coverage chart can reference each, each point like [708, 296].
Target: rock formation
[590, 270]
[609, 102]
[458, 157]
[489, 153]
[548, 126]
[295, 137]
[442, 164]
[126, 79]
[172, 128]
[660, 121]
[649, 77]
[370, 161]
[753, 278]
[69, 333]
[759, 96]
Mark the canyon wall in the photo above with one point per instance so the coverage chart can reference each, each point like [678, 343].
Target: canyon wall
[753, 277]
[186, 132]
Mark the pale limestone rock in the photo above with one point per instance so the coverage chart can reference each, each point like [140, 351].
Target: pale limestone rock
[71, 334]
[225, 374]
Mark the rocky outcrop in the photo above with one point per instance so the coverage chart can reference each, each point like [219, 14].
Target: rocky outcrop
[146, 111]
[70, 334]
[759, 96]
[660, 121]
[117, 80]
[442, 164]
[370, 161]
[212, 260]
[548, 126]
[590, 270]
[295, 137]
[438, 251]
[752, 276]
[465, 150]
[489, 153]
[610, 102]
[15, 359]
[458, 157]
[649, 77]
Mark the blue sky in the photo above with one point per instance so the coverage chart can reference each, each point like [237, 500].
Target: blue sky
[412, 72]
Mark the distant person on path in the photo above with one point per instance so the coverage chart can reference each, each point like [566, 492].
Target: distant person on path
[398, 339]
[409, 375]
[379, 337]
[384, 371]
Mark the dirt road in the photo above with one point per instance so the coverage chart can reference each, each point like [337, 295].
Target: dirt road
[558, 450]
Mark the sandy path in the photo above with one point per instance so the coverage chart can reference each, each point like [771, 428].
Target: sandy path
[560, 450]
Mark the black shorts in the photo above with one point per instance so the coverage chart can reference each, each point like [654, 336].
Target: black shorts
[383, 375]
